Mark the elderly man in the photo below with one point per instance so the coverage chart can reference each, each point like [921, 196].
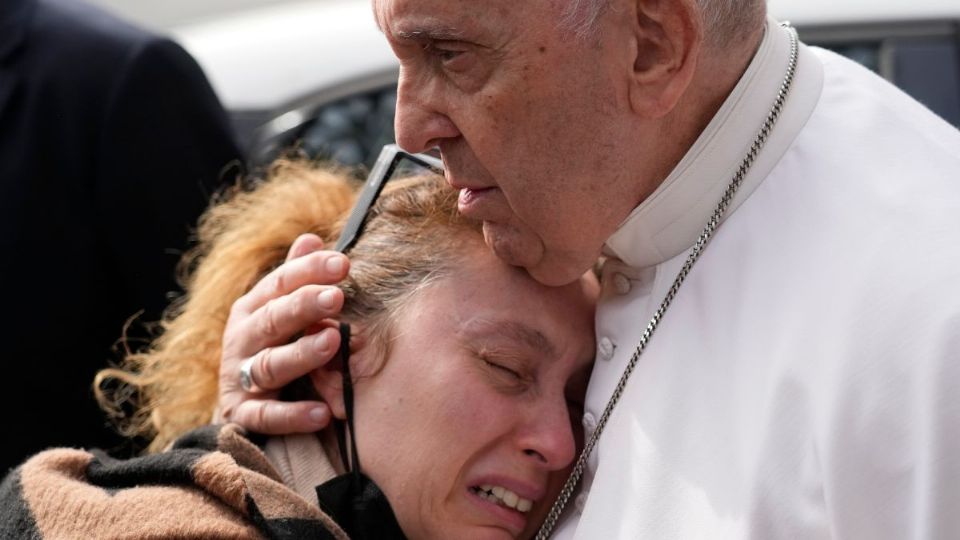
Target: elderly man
[799, 382]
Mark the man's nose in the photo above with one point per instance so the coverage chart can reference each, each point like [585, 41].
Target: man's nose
[548, 438]
[421, 123]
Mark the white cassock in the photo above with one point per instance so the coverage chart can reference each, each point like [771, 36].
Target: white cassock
[805, 382]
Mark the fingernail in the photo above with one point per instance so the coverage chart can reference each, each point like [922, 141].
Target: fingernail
[318, 415]
[335, 264]
[328, 298]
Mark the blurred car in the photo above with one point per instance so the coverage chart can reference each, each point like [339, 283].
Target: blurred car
[315, 74]
[319, 76]
[915, 45]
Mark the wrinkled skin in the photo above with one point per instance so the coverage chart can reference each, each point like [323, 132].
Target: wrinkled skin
[508, 102]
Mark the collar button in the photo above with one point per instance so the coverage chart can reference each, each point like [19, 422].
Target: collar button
[580, 502]
[589, 423]
[621, 283]
[605, 348]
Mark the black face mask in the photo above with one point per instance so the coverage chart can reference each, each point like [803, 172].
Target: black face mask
[353, 500]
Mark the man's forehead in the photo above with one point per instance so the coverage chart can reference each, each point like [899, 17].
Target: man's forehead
[391, 12]
[404, 17]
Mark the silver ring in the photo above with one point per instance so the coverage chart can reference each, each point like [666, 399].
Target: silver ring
[246, 377]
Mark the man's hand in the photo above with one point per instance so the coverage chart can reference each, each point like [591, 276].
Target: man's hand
[293, 299]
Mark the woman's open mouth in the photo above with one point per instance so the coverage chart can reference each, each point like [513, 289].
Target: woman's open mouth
[503, 497]
[506, 507]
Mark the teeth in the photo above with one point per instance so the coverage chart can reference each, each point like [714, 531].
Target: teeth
[505, 497]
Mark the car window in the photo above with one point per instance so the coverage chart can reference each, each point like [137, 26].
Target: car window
[920, 57]
[929, 70]
[353, 130]
[350, 131]
[865, 54]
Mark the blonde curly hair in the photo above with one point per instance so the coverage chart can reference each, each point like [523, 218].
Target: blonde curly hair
[413, 235]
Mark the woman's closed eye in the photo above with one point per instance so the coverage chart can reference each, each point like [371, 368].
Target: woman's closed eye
[503, 369]
[507, 373]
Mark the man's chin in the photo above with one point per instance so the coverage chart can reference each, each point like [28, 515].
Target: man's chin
[527, 251]
[510, 245]
[552, 275]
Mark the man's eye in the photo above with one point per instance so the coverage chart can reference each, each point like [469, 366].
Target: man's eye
[451, 56]
[447, 55]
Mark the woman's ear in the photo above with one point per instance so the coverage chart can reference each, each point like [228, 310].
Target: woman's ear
[328, 382]
[667, 36]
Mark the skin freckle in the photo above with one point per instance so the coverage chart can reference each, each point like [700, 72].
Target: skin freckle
[543, 49]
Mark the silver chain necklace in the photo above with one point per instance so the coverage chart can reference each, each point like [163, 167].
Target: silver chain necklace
[711, 227]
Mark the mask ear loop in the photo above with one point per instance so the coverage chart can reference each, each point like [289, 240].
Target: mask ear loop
[353, 461]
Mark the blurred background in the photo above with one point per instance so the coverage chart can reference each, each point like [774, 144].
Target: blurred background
[318, 74]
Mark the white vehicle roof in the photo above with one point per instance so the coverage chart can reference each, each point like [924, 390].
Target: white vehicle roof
[266, 57]
[270, 56]
[819, 12]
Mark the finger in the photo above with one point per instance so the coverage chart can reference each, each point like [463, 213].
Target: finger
[304, 245]
[281, 418]
[275, 367]
[318, 268]
[280, 319]
[315, 327]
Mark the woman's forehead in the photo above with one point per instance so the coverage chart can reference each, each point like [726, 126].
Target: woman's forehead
[509, 329]
[488, 301]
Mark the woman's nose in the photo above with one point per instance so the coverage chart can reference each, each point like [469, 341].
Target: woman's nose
[549, 438]
[420, 123]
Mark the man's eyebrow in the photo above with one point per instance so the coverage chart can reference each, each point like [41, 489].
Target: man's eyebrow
[429, 33]
[513, 330]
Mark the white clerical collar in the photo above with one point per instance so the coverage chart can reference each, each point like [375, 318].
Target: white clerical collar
[668, 222]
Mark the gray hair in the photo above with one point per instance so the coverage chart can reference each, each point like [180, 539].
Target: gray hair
[580, 16]
[723, 20]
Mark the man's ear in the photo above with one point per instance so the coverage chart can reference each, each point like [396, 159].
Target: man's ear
[328, 382]
[667, 36]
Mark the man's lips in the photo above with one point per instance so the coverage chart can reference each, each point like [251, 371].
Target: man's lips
[477, 203]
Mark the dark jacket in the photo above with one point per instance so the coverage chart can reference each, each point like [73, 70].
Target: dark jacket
[111, 142]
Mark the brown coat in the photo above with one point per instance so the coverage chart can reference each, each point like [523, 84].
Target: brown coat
[213, 483]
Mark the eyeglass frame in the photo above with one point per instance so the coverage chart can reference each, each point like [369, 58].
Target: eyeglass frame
[390, 157]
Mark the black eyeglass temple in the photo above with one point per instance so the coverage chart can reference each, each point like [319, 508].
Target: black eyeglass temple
[383, 169]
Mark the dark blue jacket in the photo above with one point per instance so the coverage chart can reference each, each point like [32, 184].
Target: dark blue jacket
[111, 142]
